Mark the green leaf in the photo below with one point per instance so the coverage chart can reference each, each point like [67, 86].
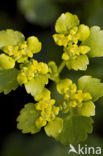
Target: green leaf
[42, 12]
[36, 85]
[65, 22]
[26, 119]
[83, 32]
[54, 127]
[34, 41]
[95, 42]
[10, 37]
[75, 129]
[6, 62]
[91, 85]
[88, 109]
[44, 94]
[80, 63]
[8, 80]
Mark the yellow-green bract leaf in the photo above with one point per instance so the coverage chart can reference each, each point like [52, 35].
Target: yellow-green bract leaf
[91, 85]
[34, 44]
[83, 32]
[26, 119]
[88, 109]
[75, 129]
[45, 94]
[80, 63]
[95, 42]
[54, 127]
[6, 62]
[8, 80]
[10, 37]
[36, 85]
[65, 22]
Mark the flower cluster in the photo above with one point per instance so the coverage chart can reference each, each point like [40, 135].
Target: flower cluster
[72, 96]
[31, 70]
[23, 50]
[46, 107]
[68, 118]
[72, 38]
[34, 75]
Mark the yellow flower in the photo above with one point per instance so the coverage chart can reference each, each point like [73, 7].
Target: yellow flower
[46, 107]
[70, 42]
[47, 110]
[24, 50]
[72, 96]
[32, 70]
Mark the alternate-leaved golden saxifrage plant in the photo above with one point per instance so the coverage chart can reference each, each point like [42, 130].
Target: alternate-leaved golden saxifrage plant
[68, 121]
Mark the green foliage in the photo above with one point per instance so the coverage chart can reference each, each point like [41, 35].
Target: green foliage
[10, 37]
[95, 42]
[80, 63]
[45, 93]
[54, 128]
[8, 80]
[88, 109]
[36, 85]
[6, 62]
[34, 40]
[68, 119]
[65, 22]
[42, 12]
[91, 85]
[44, 110]
[26, 119]
[84, 32]
[75, 129]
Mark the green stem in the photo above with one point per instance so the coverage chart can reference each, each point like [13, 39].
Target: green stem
[61, 67]
[55, 78]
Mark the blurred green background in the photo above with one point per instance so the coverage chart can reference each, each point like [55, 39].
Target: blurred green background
[37, 17]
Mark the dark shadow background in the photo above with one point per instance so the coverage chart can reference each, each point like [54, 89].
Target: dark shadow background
[38, 18]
